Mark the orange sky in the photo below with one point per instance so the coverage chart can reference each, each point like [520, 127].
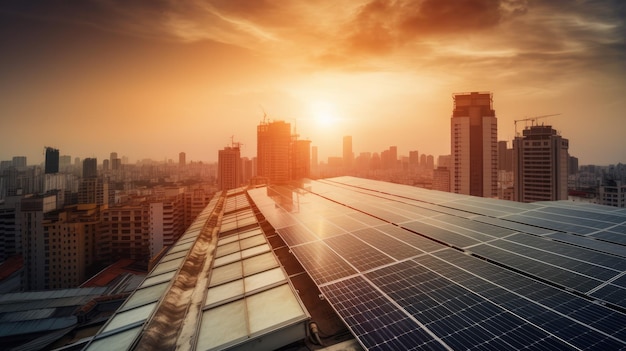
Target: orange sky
[150, 80]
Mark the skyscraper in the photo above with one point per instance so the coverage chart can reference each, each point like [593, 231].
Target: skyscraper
[273, 146]
[540, 165]
[301, 161]
[182, 160]
[347, 152]
[229, 167]
[52, 160]
[90, 168]
[474, 131]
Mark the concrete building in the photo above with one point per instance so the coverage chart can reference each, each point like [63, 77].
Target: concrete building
[90, 168]
[125, 232]
[229, 168]
[273, 151]
[52, 160]
[348, 155]
[612, 193]
[301, 160]
[441, 179]
[474, 132]
[182, 159]
[540, 165]
[33, 211]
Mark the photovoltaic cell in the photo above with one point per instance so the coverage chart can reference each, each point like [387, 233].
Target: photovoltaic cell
[296, 234]
[322, 264]
[361, 255]
[374, 320]
[453, 313]
[440, 234]
[387, 243]
[538, 269]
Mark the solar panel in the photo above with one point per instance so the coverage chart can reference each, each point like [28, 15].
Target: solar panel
[360, 255]
[375, 320]
[444, 272]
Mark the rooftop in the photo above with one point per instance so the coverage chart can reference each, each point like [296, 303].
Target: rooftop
[402, 268]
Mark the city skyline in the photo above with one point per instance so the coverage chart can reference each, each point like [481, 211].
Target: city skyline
[152, 80]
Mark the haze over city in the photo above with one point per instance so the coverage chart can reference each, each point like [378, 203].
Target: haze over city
[149, 80]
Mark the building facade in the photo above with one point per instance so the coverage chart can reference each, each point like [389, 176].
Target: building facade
[540, 165]
[229, 168]
[474, 131]
[273, 151]
[52, 160]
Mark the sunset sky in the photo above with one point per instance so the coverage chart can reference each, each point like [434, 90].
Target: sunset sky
[148, 79]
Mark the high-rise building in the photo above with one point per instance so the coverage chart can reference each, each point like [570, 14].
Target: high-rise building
[301, 161]
[90, 168]
[182, 159]
[229, 168]
[474, 131]
[19, 161]
[106, 165]
[115, 162]
[273, 146]
[540, 165]
[65, 163]
[52, 160]
[505, 157]
[348, 156]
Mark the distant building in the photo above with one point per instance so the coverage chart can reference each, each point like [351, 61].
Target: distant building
[90, 168]
[474, 131]
[52, 160]
[573, 165]
[348, 155]
[301, 160]
[441, 179]
[273, 151]
[314, 160]
[65, 163]
[35, 241]
[182, 159]
[414, 160]
[19, 161]
[505, 157]
[229, 168]
[125, 232]
[612, 193]
[540, 165]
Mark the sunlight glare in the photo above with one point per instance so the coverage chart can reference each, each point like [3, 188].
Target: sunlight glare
[324, 113]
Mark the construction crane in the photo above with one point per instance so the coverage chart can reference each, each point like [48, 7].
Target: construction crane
[532, 119]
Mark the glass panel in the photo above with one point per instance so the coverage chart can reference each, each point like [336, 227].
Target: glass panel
[224, 292]
[273, 307]
[227, 259]
[259, 263]
[255, 250]
[118, 341]
[252, 241]
[145, 295]
[253, 232]
[222, 325]
[129, 317]
[158, 278]
[258, 281]
[167, 266]
[227, 239]
[227, 249]
[226, 273]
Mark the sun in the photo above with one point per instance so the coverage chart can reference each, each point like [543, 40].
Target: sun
[324, 113]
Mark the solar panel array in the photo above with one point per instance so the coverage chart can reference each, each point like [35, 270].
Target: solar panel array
[409, 268]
